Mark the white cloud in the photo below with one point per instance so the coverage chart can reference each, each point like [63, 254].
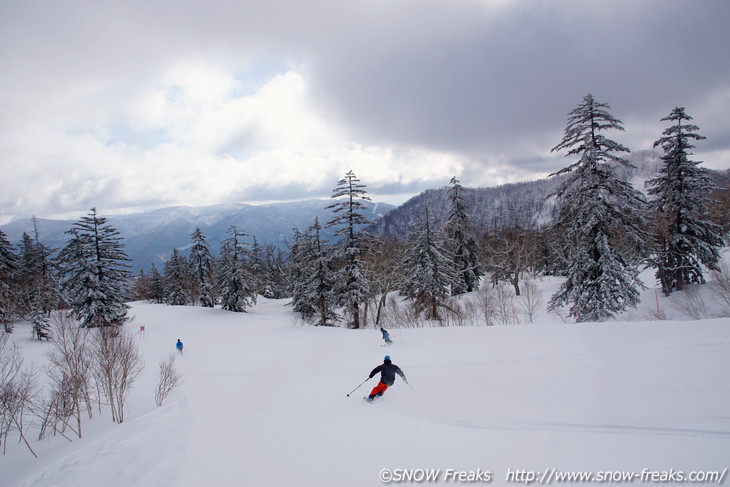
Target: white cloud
[195, 138]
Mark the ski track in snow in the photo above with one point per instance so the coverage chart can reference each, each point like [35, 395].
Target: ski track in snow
[582, 428]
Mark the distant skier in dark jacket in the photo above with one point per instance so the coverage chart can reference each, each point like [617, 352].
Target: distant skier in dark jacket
[386, 336]
[387, 377]
[179, 346]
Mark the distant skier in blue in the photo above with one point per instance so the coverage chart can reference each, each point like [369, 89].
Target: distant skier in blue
[386, 336]
[179, 346]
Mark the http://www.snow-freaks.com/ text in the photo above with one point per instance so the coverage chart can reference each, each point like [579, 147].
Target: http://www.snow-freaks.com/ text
[549, 476]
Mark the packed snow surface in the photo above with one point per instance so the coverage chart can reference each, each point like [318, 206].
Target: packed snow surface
[264, 403]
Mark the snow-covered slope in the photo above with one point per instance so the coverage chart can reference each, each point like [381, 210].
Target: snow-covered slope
[264, 402]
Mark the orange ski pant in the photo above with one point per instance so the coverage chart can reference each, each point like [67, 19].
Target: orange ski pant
[380, 388]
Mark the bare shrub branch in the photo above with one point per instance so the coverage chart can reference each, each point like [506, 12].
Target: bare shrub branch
[461, 312]
[396, 315]
[690, 301]
[530, 300]
[504, 304]
[721, 283]
[486, 302]
[17, 394]
[169, 379]
[117, 364]
[69, 374]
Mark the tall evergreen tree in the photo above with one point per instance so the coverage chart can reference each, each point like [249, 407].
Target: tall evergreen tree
[235, 283]
[27, 273]
[157, 286]
[256, 267]
[176, 277]
[275, 285]
[96, 270]
[41, 324]
[686, 240]
[141, 288]
[8, 259]
[429, 268]
[460, 241]
[9, 300]
[596, 208]
[37, 283]
[320, 283]
[38, 274]
[348, 216]
[202, 264]
[300, 266]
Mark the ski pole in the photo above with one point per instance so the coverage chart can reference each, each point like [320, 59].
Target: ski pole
[358, 387]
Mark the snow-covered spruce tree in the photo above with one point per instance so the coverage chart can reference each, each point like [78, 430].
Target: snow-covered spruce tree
[429, 268]
[41, 324]
[157, 286]
[9, 299]
[257, 268]
[460, 241]
[299, 268]
[96, 270]
[176, 280]
[596, 209]
[38, 276]
[202, 263]
[348, 216]
[685, 239]
[320, 282]
[140, 289]
[234, 280]
[27, 274]
[276, 284]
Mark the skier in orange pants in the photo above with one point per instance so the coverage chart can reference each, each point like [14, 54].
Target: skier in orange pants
[387, 377]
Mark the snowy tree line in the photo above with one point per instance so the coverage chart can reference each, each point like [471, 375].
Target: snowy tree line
[241, 271]
[599, 233]
[603, 234]
[530, 202]
[89, 276]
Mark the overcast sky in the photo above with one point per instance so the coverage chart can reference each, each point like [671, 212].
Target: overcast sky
[132, 105]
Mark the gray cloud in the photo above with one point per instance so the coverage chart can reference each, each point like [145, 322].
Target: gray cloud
[484, 82]
[488, 84]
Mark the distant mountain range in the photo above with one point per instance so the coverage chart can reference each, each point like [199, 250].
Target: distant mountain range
[151, 236]
[526, 204]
